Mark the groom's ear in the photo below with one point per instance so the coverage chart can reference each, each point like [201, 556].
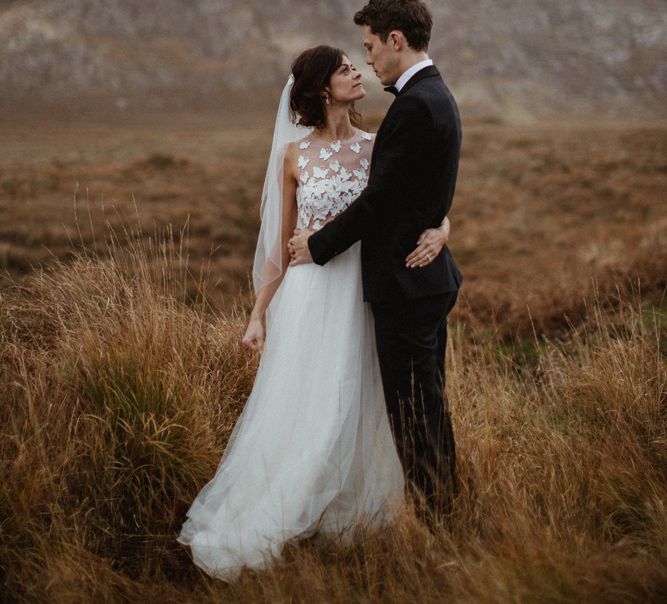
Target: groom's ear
[397, 40]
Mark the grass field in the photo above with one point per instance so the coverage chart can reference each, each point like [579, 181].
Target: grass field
[122, 371]
[540, 211]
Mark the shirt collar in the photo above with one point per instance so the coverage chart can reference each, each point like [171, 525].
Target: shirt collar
[403, 80]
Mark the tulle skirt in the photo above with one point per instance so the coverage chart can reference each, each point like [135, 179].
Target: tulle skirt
[312, 450]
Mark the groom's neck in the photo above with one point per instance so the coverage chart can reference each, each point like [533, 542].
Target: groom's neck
[410, 59]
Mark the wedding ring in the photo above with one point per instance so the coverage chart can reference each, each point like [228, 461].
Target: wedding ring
[428, 256]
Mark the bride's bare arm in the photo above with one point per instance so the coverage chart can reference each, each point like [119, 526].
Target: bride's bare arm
[429, 245]
[255, 332]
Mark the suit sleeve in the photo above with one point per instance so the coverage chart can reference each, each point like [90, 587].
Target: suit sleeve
[402, 163]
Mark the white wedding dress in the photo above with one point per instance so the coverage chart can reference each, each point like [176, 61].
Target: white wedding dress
[312, 450]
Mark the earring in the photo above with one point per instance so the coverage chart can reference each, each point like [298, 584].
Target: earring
[326, 99]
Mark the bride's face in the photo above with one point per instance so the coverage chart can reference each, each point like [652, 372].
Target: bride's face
[345, 85]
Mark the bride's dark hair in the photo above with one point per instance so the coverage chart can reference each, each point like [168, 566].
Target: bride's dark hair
[312, 71]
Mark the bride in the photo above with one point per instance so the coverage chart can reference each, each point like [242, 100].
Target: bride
[313, 449]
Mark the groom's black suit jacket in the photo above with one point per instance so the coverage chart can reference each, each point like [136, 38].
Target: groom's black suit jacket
[410, 188]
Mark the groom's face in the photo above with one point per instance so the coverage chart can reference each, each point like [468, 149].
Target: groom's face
[381, 56]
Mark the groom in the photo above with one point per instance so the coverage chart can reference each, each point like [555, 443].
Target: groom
[410, 188]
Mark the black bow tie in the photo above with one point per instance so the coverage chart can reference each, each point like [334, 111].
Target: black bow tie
[392, 89]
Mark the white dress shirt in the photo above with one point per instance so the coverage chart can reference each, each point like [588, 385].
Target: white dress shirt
[402, 81]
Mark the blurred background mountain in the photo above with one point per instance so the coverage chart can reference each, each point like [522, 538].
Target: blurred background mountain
[510, 58]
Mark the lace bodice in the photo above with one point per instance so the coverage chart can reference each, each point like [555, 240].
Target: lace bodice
[331, 176]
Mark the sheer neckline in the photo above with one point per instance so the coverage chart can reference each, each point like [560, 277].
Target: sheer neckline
[328, 142]
[331, 175]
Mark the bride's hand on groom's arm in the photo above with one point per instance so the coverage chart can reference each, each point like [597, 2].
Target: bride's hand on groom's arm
[254, 335]
[429, 245]
[298, 247]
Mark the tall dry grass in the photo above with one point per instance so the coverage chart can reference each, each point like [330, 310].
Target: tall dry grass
[119, 388]
[539, 209]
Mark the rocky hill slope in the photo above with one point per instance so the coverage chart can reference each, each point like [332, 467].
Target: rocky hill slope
[581, 57]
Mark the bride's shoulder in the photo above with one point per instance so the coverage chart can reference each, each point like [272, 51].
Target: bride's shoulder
[367, 136]
[304, 142]
[298, 146]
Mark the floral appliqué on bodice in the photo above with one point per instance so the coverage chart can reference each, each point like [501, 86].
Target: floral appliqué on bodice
[331, 176]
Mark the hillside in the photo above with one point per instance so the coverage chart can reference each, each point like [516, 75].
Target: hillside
[560, 58]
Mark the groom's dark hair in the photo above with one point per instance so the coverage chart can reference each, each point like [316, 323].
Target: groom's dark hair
[412, 17]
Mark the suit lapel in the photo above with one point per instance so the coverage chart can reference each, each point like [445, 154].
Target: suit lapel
[428, 72]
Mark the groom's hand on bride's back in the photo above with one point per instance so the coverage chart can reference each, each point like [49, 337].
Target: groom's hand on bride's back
[298, 247]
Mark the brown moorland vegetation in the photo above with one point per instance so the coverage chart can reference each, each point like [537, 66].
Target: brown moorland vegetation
[122, 373]
[541, 212]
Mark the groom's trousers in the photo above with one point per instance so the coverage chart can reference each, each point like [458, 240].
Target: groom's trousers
[411, 338]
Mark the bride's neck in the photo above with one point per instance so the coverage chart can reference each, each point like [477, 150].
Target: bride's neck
[338, 125]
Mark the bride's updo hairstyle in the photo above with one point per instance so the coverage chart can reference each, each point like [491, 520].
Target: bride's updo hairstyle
[312, 71]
